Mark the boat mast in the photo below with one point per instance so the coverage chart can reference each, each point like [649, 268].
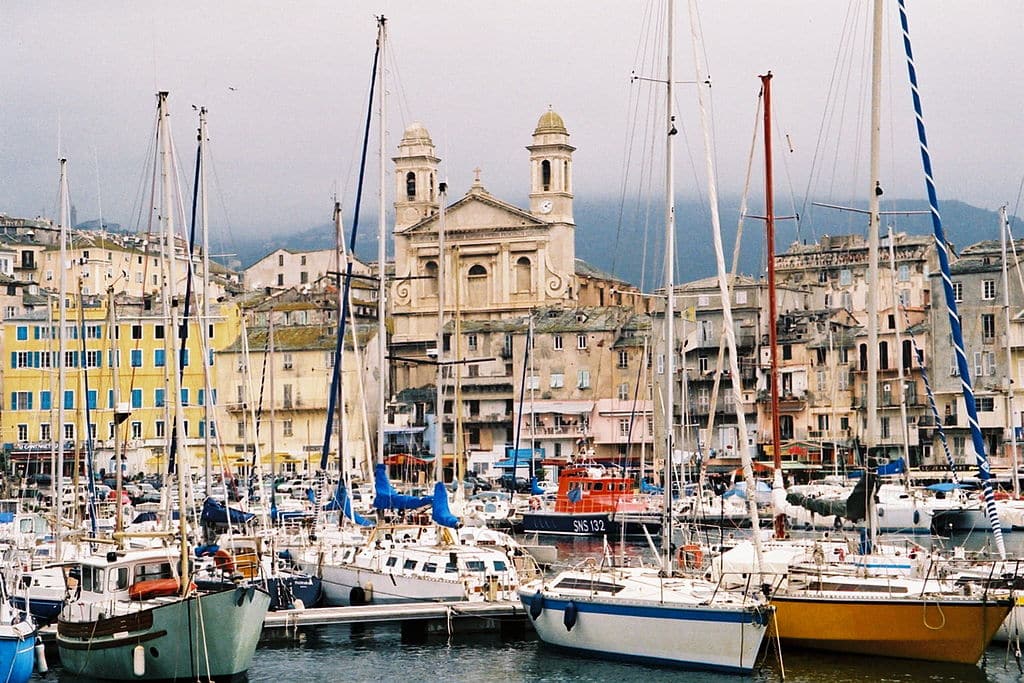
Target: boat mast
[977, 438]
[57, 480]
[670, 249]
[1010, 415]
[441, 285]
[874, 192]
[172, 336]
[898, 351]
[779, 524]
[205, 326]
[382, 344]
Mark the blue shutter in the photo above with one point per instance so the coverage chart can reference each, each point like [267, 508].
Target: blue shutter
[136, 398]
[184, 397]
[158, 398]
[22, 333]
[159, 358]
[74, 359]
[110, 398]
[69, 400]
[90, 399]
[44, 400]
[184, 358]
[36, 331]
[14, 360]
[202, 396]
[211, 358]
[213, 397]
[202, 428]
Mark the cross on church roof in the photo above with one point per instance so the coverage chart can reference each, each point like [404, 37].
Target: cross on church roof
[476, 175]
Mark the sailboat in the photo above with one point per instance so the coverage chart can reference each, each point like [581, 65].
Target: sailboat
[649, 613]
[137, 614]
[841, 606]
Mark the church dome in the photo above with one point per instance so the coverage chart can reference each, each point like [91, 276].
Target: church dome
[415, 133]
[550, 122]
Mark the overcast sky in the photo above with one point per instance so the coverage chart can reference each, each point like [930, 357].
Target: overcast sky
[286, 88]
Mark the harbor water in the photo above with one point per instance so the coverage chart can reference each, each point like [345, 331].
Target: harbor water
[382, 653]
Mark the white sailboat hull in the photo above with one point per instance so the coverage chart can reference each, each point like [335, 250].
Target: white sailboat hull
[340, 584]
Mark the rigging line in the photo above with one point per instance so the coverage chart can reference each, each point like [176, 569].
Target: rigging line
[824, 125]
[1016, 259]
[391, 58]
[984, 467]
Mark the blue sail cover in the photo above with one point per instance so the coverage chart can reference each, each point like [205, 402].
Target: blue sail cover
[441, 513]
[535, 488]
[217, 513]
[342, 501]
[892, 467]
[387, 498]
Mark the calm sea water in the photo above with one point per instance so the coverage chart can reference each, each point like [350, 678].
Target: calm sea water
[380, 653]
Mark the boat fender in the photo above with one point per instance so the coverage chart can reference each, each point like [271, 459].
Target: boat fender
[536, 605]
[838, 523]
[357, 596]
[297, 604]
[569, 619]
[222, 558]
[917, 516]
[881, 512]
[139, 661]
[41, 665]
[368, 589]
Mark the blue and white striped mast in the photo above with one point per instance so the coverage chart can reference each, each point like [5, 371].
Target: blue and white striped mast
[984, 469]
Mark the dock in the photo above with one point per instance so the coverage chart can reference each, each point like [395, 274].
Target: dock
[421, 618]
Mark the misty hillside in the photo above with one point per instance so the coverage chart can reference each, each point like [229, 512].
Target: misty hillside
[628, 242]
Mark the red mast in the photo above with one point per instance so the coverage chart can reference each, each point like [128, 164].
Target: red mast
[769, 221]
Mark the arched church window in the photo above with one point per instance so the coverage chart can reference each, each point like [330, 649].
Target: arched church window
[565, 176]
[545, 175]
[430, 284]
[477, 285]
[431, 187]
[410, 186]
[524, 275]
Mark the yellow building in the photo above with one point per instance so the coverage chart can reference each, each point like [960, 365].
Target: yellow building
[139, 348]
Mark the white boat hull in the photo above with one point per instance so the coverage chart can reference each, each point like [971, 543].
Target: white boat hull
[700, 637]
[340, 584]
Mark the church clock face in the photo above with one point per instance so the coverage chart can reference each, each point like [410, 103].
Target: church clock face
[546, 206]
[411, 214]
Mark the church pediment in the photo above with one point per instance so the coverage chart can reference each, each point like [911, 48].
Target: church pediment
[478, 212]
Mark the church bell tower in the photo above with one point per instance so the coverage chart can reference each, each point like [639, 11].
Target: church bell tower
[551, 170]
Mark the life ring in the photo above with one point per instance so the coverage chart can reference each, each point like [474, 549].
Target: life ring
[690, 555]
[224, 561]
[841, 554]
[535, 503]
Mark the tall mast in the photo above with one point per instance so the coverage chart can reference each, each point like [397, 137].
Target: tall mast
[204, 327]
[441, 284]
[58, 476]
[382, 343]
[779, 525]
[1011, 418]
[172, 335]
[670, 249]
[874, 192]
[898, 351]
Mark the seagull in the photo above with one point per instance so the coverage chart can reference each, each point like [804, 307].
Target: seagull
[232, 88]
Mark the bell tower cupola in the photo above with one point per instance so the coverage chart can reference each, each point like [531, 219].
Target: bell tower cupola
[551, 170]
[416, 194]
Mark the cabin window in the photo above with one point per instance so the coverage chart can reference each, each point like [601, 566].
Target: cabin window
[92, 579]
[119, 579]
[500, 566]
[430, 567]
[476, 566]
[147, 572]
[450, 568]
[410, 186]
[599, 486]
[392, 561]
[410, 565]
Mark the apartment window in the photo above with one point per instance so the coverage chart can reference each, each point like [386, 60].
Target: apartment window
[161, 429]
[822, 380]
[136, 331]
[69, 430]
[241, 429]
[623, 392]
[556, 342]
[787, 352]
[958, 292]
[136, 398]
[44, 431]
[986, 404]
[533, 382]
[288, 361]
[623, 359]
[703, 301]
[303, 277]
[471, 342]
[624, 427]
[21, 400]
[581, 341]
[823, 423]
[904, 297]
[703, 364]
[22, 359]
[988, 290]
[583, 379]
[280, 259]
[287, 402]
[846, 277]
[280, 279]
[158, 398]
[988, 362]
[93, 359]
[885, 428]
[988, 327]
[286, 427]
[159, 358]
[158, 331]
[557, 380]
[136, 358]
[741, 296]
